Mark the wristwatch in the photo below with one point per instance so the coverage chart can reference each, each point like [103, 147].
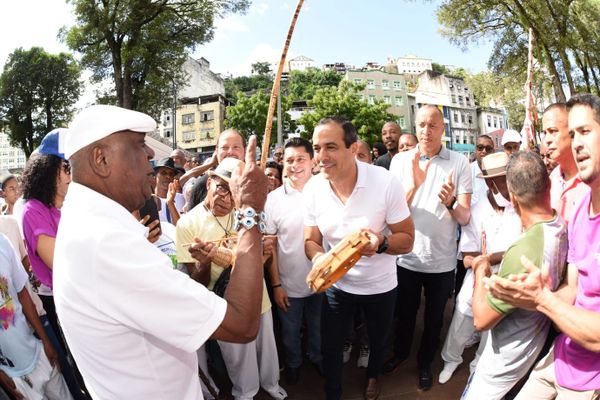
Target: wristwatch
[248, 217]
[452, 205]
[383, 246]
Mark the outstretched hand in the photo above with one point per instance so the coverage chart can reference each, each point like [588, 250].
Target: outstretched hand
[249, 185]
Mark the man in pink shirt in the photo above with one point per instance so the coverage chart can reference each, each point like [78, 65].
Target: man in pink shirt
[566, 187]
[571, 370]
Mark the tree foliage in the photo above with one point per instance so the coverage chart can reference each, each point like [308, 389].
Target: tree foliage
[247, 85]
[141, 45]
[566, 46]
[37, 92]
[302, 85]
[249, 116]
[345, 101]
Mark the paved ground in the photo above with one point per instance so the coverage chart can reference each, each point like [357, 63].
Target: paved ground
[400, 386]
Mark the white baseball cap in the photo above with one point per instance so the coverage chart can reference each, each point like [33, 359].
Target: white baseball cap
[510, 135]
[99, 121]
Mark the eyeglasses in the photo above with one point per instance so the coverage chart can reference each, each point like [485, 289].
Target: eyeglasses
[488, 149]
[222, 190]
[66, 166]
[277, 154]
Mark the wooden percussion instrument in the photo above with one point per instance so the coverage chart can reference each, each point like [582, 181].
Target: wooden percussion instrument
[337, 261]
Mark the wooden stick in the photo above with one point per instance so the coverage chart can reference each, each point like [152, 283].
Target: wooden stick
[275, 90]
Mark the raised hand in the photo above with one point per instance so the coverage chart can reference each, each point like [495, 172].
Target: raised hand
[419, 174]
[446, 194]
[249, 185]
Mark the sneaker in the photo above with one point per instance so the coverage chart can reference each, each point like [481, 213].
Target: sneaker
[347, 351]
[277, 393]
[447, 372]
[363, 357]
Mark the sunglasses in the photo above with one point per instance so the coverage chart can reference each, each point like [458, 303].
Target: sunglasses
[488, 149]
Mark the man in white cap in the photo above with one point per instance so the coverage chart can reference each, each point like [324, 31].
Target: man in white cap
[511, 141]
[134, 323]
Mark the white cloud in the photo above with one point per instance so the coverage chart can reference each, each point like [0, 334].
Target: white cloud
[261, 52]
[259, 8]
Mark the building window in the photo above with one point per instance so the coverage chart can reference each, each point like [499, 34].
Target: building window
[205, 134]
[370, 84]
[495, 122]
[453, 99]
[385, 85]
[187, 119]
[357, 81]
[188, 136]
[489, 121]
[167, 133]
[207, 116]
[455, 117]
[470, 118]
[399, 101]
[387, 99]
[371, 99]
[468, 100]
[402, 122]
[397, 85]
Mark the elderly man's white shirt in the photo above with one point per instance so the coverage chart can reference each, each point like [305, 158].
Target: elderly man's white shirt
[377, 201]
[133, 323]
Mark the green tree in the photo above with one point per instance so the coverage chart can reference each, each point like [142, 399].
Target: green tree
[344, 101]
[37, 93]
[261, 68]
[247, 85]
[564, 45]
[142, 44]
[435, 67]
[302, 85]
[249, 116]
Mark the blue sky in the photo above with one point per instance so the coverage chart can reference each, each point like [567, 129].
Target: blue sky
[353, 31]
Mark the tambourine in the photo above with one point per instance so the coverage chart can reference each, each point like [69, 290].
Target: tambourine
[337, 261]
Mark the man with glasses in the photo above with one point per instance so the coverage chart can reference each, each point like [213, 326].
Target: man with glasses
[278, 154]
[253, 365]
[484, 146]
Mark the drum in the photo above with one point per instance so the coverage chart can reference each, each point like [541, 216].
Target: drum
[337, 262]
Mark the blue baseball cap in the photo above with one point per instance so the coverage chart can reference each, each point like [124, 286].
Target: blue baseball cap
[53, 143]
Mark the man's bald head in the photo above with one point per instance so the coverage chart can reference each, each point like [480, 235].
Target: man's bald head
[231, 143]
[390, 136]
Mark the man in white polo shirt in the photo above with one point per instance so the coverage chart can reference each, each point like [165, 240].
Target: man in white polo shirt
[133, 323]
[290, 267]
[348, 196]
[438, 191]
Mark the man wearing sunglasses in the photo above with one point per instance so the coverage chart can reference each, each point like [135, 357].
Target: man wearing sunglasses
[484, 146]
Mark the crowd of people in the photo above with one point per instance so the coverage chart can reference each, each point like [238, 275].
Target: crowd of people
[126, 277]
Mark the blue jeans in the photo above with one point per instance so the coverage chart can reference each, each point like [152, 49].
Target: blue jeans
[337, 316]
[291, 322]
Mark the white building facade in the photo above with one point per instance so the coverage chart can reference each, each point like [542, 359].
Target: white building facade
[11, 158]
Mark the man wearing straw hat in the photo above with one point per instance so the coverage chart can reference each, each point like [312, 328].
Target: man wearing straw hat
[132, 322]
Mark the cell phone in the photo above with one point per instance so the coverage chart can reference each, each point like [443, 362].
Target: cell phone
[150, 208]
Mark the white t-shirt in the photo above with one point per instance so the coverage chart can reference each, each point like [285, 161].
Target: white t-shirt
[501, 230]
[132, 322]
[377, 201]
[479, 187]
[19, 349]
[284, 218]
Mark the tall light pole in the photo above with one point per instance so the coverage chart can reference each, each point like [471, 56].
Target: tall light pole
[174, 115]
